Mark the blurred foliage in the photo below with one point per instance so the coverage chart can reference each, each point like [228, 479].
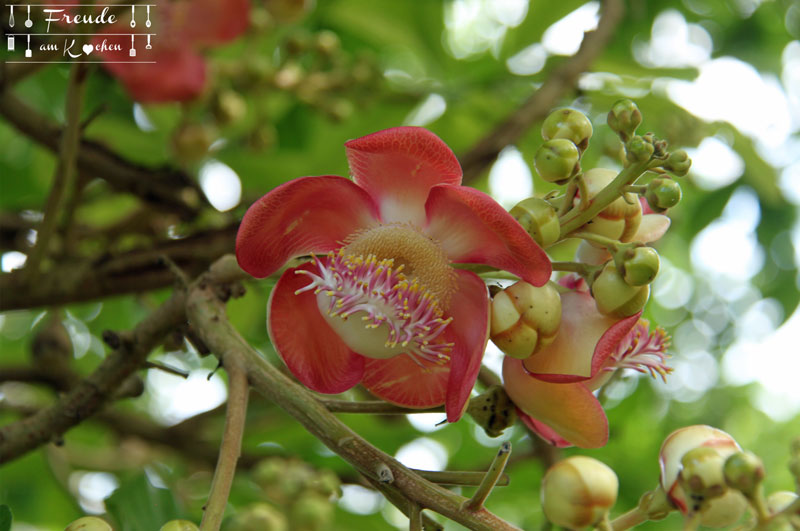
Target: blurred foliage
[281, 102]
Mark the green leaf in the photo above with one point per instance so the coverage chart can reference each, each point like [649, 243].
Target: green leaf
[5, 518]
[139, 506]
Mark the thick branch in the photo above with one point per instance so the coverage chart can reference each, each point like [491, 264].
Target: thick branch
[539, 104]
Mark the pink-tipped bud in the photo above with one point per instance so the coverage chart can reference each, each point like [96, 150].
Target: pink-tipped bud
[539, 219]
[621, 219]
[525, 319]
[578, 492]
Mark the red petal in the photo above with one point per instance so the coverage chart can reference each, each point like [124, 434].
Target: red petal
[310, 348]
[605, 347]
[310, 214]
[473, 228]
[399, 166]
[543, 430]
[206, 22]
[469, 308]
[401, 381]
[571, 410]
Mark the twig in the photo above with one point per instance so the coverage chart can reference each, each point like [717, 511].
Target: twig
[490, 478]
[458, 477]
[166, 368]
[231, 446]
[415, 518]
[373, 406]
[538, 105]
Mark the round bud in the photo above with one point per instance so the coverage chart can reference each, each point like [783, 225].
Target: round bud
[639, 265]
[678, 163]
[525, 319]
[639, 149]
[701, 476]
[623, 118]
[539, 219]
[780, 500]
[621, 219]
[557, 160]
[229, 107]
[568, 124]
[662, 194]
[259, 517]
[89, 523]
[311, 512]
[192, 141]
[613, 296]
[179, 525]
[327, 42]
[578, 492]
[744, 471]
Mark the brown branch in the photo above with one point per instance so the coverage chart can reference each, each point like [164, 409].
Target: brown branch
[539, 104]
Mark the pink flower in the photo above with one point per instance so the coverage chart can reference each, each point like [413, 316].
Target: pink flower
[382, 305]
[553, 388]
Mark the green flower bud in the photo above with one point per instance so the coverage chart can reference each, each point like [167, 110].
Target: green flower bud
[623, 118]
[192, 141]
[311, 512]
[493, 410]
[327, 42]
[744, 471]
[639, 149]
[569, 124]
[229, 107]
[539, 219]
[702, 477]
[179, 525]
[615, 297]
[639, 265]
[557, 160]
[662, 194]
[259, 517]
[621, 219]
[525, 319]
[678, 162]
[89, 523]
[578, 492]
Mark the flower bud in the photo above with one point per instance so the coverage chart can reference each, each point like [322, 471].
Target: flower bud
[615, 297]
[493, 410]
[311, 512]
[623, 118]
[192, 141]
[259, 517]
[179, 525]
[539, 219]
[89, 523]
[744, 471]
[621, 219]
[639, 149]
[678, 163]
[780, 500]
[578, 492]
[525, 318]
[639, 265]
[702, 477]
[662, 194]
[557, 160]
[229, 107]
[569, 124]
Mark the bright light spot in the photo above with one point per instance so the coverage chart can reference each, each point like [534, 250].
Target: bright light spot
[424, 454]
[491, 442]
[175, 399]
[475, 26]
[695, 373]
[221, 185]
[510, 179]
[728, 246]
[79, 335]
[12, 260]
[427, 422]
[428, 111]
[715, 164]
[359, 500]
[493, 358]
[564, 37]
[92, 488]
[674, 43]
[527, 61]
[673, 287]
[790, 183]
[791, 77]
[141, 119]
[693, 335]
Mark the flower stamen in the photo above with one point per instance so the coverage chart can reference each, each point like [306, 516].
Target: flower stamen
[643, 351]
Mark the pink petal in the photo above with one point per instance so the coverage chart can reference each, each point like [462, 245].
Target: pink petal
[543, 430]
[469, 308]
[310, 214]
[399, 166]
[401, 381]
[570, 410]
[205, 22]
[473, 228]
[310, 348]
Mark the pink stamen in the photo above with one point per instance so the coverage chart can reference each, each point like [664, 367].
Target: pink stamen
[642, 351]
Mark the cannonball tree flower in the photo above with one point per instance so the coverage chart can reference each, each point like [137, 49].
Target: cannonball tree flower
[381, 303]
[552, 389]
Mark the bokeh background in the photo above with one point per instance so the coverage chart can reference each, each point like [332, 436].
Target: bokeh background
[720, 78]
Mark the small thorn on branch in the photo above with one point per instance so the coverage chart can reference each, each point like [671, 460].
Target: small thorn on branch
[490, 479]
[384, 473]
[167, 368]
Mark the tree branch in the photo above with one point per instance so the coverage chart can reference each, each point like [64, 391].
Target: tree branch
[539, 104]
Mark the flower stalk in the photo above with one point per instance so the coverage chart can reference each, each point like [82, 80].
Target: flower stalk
[490, 479]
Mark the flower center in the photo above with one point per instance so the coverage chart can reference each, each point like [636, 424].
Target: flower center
[642, 351]
[384, 306]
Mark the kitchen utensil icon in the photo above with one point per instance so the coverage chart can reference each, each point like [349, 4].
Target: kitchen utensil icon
[133, 16]
[147, 23]
[10, 43]
[28, 51]
[29, 22]
[11, 18]
[148, 47]
[133, 50]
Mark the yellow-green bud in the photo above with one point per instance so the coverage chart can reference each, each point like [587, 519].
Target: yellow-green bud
[615, 297]
[780, 500]
[311, 512]
[525, 318]
[578, 492]
[192, 141]
[327, 42]
[539, 219]
[621, 219]
[639, 265]
[89, 523]
[179, 525]
[678, 163]
[639, 149]
[623, 118]
[259, 517]
[557, 160]
[702, 477]
[662, 194]
[744, 471]
[568, 124]
[229, 107]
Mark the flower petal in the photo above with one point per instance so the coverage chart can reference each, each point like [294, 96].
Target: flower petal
[401, 381]
[469, 308]
[571, 410]
[399, 166]
[310, 348]
[543, 430]
[652, 228]
[310, 214]
[472, 227]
